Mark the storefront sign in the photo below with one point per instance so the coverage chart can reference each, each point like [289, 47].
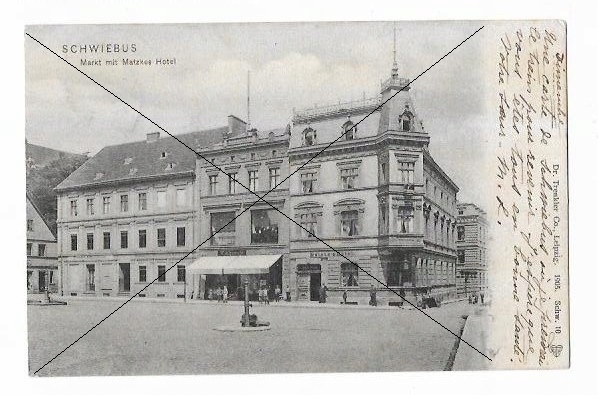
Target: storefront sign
[232, 252]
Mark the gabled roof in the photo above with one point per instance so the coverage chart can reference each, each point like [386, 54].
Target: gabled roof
[40, 156]
[142, 159]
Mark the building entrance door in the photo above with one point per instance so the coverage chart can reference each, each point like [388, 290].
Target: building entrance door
[124, 278]
[41, 275]
[315, 281]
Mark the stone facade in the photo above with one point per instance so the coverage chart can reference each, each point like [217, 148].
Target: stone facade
[472, 263]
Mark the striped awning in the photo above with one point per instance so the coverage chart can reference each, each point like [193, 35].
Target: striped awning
[241, 264]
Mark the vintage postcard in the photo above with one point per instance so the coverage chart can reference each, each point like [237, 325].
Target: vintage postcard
[296, 197]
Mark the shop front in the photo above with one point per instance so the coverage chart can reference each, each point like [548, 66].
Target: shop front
[212, 273]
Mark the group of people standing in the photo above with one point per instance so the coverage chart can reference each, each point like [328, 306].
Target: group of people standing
[220, 294]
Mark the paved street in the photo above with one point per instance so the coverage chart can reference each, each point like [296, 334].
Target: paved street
[176, 338]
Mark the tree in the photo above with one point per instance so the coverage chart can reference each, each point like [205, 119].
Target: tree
[42, 181]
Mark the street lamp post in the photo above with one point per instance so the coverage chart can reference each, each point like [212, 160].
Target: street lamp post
[246, 304]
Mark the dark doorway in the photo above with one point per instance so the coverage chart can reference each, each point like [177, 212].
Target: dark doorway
[124, 278]
[41, 280]
[315, 281]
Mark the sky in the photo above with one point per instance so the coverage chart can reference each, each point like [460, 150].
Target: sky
[292, 65]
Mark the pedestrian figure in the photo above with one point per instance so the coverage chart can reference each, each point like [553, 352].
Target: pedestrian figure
[481, 297]
[277, 293]
[224, 294]
[323, 295]
[218, 294]
[373, 301]
[210, 294]
[266, 295]
[287, 289]
[345, 296]
[469, 299]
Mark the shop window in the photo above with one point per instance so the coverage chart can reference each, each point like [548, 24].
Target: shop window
[349, 275]
[350, 223]
[349, 178]
[161, 237]
[264, 227]
[399, 274]
[223, 228]
[309, 137]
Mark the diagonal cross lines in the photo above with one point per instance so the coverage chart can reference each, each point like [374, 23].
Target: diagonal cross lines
[260, 198]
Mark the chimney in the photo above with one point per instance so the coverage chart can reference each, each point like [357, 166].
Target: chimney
[236, 126]
[153, 137]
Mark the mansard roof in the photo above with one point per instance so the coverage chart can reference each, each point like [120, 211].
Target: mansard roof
[142, 160]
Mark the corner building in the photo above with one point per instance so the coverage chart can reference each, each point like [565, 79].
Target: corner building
[376, 195]
[472, 257]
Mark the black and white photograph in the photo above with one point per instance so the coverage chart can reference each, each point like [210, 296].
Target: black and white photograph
[298, 197]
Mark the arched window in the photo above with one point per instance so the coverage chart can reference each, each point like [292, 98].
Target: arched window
[309, 136]
[405, 121]
[349, 130]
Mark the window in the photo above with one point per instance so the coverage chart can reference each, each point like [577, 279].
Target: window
[223, 230]
[405, 121]
[349, 130]
[29, 224]
[232, 183]
[29, 248]
[74, 208]
[90, 281]
[274, 177]
[264, 226]
[253, 180]
[142, 238]
[399, 273]
[73, 242]
[180, 236]
[348, 178]
[142, 274]
[461, 256]
[383, 173]
[161, 273]
[460, 233]
[309, 221]
[161, 197]
[309, 137]
[349, 275]
[142, 201]
[406, 172]
[308, 181]
[161, 237]
[164, 154]
[181, 197]
[106, 204]
[124, 203]
[41, 250]
[106, 240]
[213, 184]
[405, 219]
[90, 241]
[383, 224]
[90, 208]
[460, 212]
[124, 239]
[349, 223]
[180, 273]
